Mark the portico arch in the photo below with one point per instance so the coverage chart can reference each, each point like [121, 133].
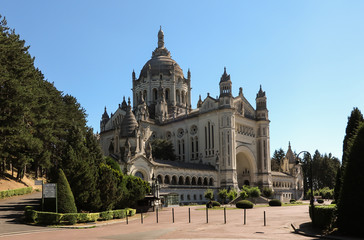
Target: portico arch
[245, 166]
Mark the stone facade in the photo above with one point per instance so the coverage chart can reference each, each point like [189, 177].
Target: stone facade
[222, 143]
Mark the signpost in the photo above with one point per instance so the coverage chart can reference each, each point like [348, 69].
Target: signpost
[49, 190]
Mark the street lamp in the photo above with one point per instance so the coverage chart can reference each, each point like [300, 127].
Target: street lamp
[311, 185]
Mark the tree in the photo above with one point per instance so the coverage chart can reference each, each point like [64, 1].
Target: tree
[350, 208]
[112, 187]
[65, 199]
[267, 192]
[232, 194]
[354, 120]
[163, 149]
[254, 193]
[113, 164]
[223, 193]
[278, 156]
[209, 194]
[337, 185]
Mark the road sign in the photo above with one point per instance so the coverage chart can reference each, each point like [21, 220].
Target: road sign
[38, 182]
[50, 190]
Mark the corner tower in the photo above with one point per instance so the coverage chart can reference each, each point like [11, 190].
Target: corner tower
[263, 140]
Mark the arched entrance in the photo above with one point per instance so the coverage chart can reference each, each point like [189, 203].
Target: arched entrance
[245, 168]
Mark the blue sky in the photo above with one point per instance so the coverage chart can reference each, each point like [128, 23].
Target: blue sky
[307, 55]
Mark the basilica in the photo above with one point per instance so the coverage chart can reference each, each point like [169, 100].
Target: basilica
[222, 143]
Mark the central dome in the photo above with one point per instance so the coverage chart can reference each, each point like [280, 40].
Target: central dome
[161, 65]
[161, 61]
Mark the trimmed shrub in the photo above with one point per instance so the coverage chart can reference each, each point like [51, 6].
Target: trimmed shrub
[119, 213]
[29, 214]
[275, 203]
[320, 200]
[15, 192]
[292, 201]
[106, 215]
[215, 204]
[48, 218]
[244, 204]
[324, 215]
[66, 201]
[131, 211]
[69, 218]
[87, 217]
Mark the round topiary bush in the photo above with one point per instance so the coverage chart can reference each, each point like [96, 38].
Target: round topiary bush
[292, 201]
[215, 204]
[320, 200]
[275, 203]
[244, 204]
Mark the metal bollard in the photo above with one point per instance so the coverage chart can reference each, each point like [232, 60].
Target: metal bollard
[173, 215]
[189, 215]
[264, 219]
[126, 213]
[244, 216]
[207, 215]
[141, 217]
[156, 212]
[225, 215]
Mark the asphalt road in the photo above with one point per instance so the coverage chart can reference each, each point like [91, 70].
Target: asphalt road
[11, 213]
[278, 221]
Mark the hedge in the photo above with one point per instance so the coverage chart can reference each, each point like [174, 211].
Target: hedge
[244, 204]
[15, 192]
[215, 204]
[324, 215]
[51, 218]
[275, 203]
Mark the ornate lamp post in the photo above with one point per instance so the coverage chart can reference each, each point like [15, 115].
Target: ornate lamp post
[311, 185]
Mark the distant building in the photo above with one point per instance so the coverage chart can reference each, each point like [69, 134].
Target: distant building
[222, 143]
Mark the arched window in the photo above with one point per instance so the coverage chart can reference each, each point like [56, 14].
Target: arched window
[199, 182]
[205, 181]
[155, 94]
[174, 180]
[209, 139]
[177, 96]
[194, 181]
[188, 181]
[180, 181]
[145, 95]
[211, 183]
[160, 179]
[167, 94]
[139, 175]
[167, 179]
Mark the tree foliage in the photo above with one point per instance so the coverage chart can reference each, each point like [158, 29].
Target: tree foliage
[163, 149]
[223, 193]
[209, 194]
[277, 158]
[43, 130]
[65, 199]
[349, 208]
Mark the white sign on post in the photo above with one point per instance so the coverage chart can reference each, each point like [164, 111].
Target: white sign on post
[38, 182]
[49, 190]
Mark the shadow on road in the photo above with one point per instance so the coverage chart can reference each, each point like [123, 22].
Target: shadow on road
[12, 210]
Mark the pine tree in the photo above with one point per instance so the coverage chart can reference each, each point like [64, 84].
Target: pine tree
[65, 199]
[354, 120]
[350, 208]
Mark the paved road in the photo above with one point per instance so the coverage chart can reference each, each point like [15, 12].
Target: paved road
[278, 225]
[11, 212]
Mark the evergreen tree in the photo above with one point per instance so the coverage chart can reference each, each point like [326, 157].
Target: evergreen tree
[163, 149]
[337, 185]
[354, 120]
[277, 158]
[350, 208]
[65, 199]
